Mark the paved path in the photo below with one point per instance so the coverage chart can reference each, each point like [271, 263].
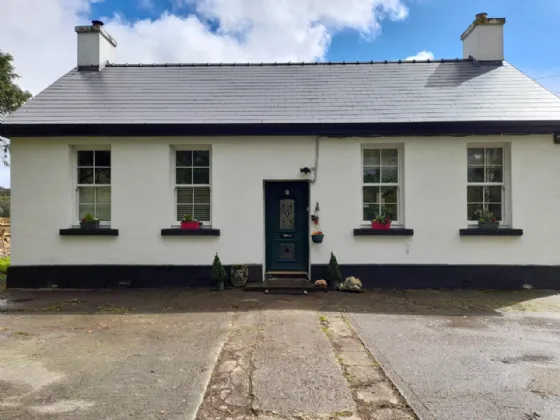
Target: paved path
[502, 367]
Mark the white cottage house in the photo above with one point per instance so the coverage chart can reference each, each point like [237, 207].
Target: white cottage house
[254, 150]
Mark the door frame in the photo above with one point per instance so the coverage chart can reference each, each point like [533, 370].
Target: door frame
[308, 248]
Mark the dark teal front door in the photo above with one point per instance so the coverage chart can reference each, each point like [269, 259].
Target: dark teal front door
[287, 226]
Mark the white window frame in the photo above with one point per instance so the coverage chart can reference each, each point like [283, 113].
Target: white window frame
[505, 184]
[93, 148]
[185, 147]
[400, 184]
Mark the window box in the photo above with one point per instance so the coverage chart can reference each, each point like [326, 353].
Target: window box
[383, 232]
[78, 231]
[478, 231]
[203, 231]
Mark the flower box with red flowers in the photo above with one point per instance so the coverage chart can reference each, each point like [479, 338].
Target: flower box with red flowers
[89, 222]
[381, 222]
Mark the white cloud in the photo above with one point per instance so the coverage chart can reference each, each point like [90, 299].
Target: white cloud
[421, 56]
[40, 34]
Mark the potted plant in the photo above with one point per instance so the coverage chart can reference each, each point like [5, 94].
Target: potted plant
[382, 221]
[89, 222]
[189, 222]
[487, 220]
[317, 237]
[333, 275]
[219, 275]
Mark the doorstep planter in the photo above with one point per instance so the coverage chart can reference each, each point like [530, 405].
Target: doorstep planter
[190, 225]
[317, 239]
[488, 225]
[380, 226]
[90, 225]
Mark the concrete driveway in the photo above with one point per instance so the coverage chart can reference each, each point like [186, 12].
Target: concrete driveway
[503, 366]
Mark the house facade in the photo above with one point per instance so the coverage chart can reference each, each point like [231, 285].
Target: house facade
[254, 151]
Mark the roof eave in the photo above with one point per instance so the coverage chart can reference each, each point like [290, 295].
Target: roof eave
[285, 129]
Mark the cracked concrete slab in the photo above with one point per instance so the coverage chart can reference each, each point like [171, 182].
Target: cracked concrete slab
[295, 368]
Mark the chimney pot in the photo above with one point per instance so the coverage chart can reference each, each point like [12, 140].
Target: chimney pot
[481, 16]
[97, 23]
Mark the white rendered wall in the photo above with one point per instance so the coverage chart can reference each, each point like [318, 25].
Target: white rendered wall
[142, 201]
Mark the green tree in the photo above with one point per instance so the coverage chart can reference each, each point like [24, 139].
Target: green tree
[11, 95]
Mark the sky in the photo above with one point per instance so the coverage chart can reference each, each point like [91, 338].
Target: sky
[40, 33]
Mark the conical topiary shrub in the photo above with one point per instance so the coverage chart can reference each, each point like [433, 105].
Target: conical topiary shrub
[333, 275]
[219, 275]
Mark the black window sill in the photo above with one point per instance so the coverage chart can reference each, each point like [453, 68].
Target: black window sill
[190, 232]
[89, 232]
[489, 232]
[388, 232]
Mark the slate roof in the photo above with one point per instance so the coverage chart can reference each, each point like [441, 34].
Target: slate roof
[384, 92]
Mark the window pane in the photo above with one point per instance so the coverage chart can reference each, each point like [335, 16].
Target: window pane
[497, 210]
[493, 194]
[103, 158]
[389, 174]
[201, 158]
[202, 213]
[475, 194]
[201, 176]
[472, 209]
[389, 157]
[104, 212]
[371, 157]
[475, 157]
[371, 175]
[183, 176]
[389, 194]
[184, 195]
[85, 176]
[494, 174]
[494, 156]
[370, 210]
[102, 175]
[287, 216]
[391, 210]
[183, 158]
[476, 175]
[86, 195]
[202, 195]
[183, 209]
[370, 194]
[103, 195]
[85, 158]
[86, 208]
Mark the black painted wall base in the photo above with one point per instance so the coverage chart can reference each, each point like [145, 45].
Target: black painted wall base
[114, 276]
[498, 277]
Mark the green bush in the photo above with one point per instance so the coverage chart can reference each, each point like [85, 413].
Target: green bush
[333, 271]
[218, 271]
[4, 263]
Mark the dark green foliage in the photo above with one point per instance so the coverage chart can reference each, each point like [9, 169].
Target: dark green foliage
[11, 96]
[218, 271]
[333, 271]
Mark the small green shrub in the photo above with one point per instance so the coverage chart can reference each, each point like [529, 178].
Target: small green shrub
[4, 264]
[333, 271]
[218, 271]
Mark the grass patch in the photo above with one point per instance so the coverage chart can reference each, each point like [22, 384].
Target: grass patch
[4, 264]
[22, 334]
[109, 309]
[323, 318]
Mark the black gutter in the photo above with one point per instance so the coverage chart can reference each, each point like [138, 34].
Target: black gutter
[285, 129]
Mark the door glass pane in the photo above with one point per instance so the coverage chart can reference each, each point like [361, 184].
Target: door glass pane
[286, 251]
[287, 213]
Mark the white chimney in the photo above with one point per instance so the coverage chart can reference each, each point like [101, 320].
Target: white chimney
[96, 47]
[484, 39]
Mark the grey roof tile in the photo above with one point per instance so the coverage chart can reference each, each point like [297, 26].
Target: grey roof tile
[392, 92]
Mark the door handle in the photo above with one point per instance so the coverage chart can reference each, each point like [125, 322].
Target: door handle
[285, 235]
